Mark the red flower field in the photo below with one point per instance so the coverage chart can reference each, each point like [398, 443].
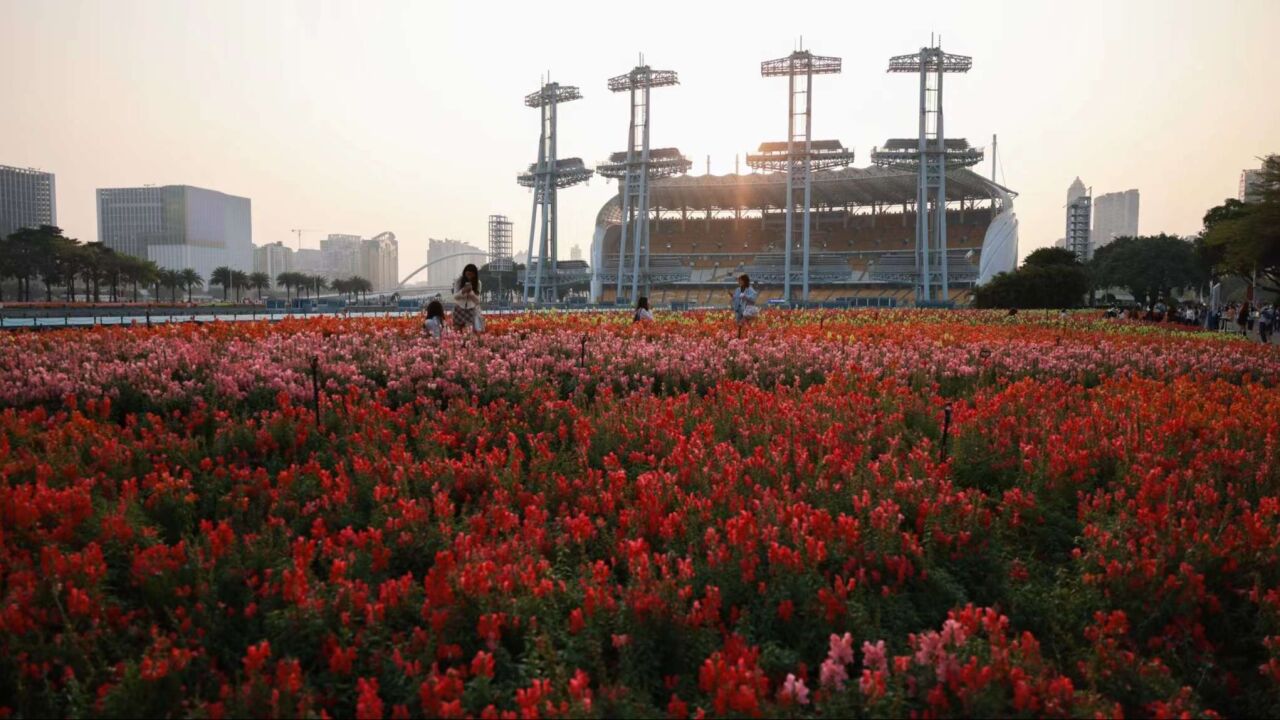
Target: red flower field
[837, 514]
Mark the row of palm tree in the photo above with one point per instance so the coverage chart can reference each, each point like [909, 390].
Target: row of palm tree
[352, 286]
[44, 254]
[238, 281]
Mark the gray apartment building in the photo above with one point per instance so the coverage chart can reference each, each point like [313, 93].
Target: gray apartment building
[178, 226]
[27, 199]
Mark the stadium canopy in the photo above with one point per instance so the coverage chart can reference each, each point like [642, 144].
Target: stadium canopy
[832, 188]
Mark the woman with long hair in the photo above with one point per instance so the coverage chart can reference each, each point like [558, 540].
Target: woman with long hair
[466, 298]
[744, 301]
[643, 313]
[434, 323]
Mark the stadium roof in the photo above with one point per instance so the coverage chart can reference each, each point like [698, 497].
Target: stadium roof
[824, 145]
[835, 188]
[913, 143]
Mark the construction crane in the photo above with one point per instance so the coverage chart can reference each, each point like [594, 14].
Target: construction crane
[299, 231]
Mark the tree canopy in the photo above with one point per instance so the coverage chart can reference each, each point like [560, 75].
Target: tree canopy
[1242, 238]
[1150, 267]
[1048, 278]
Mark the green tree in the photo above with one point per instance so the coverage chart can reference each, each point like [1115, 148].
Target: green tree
[138, 272]
[1150, 267]
[260, 281]
[362, 286]
[52, 264]
[27, 253]
[1048, 278]
[1050, 256]
[342, 286]
[1244, 238]
[222, 275]
[189, 279]
[287, 280]
[239, 281]
[95, 269]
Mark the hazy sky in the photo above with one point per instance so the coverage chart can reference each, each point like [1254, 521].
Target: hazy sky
[407, 116]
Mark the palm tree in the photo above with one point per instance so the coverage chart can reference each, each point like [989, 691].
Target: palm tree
[222, 275]
[171, 279]
[339, 285]
[95, 269]
[363, 286]
[189, 279]
[240, 281]
[287, 280]
[140, 272]
[260, 281]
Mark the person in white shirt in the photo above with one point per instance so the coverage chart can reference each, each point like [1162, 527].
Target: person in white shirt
[434, 324]
[643, 313]
[466, 298]
[744, 300]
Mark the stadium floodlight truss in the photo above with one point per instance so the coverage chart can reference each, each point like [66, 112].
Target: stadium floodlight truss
[634, 169]
[546, 176]
[930, 155]
[799, 155]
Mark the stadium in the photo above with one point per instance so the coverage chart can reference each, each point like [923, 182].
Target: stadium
[706, 230]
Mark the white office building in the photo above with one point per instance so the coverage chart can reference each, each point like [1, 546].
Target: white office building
[28, 199]
[178, 227]
[1114, 215]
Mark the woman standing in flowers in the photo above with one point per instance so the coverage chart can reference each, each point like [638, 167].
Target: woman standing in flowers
[643, 313]
[744, 300]
[466, 296]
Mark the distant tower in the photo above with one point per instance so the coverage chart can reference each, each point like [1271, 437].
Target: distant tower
[1079, 213]
[500, 243]
[635, 168]
[1076, 191]
[575, 252]
[546, 176]
[799, 156]
[930, 155]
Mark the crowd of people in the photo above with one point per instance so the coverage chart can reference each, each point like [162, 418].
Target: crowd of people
[468, 317]
[1244, 318]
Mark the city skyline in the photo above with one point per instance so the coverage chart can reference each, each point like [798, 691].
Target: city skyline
[253, 105]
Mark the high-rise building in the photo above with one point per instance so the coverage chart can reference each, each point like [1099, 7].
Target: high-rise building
[178, 227]
[448, 257]
[575, 253]
[341, 255]
[1250, 186]
[309, 261]
[273, 259]
[1114, 215]
[380, 261]
[1078, 239]
[1079, 220]
[1076, 191]
[27, 199]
